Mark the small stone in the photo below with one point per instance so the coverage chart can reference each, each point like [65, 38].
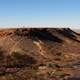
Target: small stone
[42, 67]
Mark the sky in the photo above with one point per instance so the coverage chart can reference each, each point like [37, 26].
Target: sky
[56, 13]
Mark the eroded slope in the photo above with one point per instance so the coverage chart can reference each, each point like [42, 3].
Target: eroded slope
[37, 54]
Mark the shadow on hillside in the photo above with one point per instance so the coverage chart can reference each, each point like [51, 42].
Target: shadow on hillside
[19, 60]
[44, 35]
[69, 33]
[74, 78]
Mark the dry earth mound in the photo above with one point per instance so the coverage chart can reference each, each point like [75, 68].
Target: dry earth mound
[39, 54]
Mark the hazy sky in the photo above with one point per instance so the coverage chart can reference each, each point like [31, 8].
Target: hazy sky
[40, 13]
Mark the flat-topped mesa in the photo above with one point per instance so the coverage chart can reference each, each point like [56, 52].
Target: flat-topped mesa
[24, 31]
[54, 34]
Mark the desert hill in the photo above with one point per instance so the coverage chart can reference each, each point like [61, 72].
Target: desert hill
[38, 53]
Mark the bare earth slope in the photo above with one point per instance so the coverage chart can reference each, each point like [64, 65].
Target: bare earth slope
[39, 54]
